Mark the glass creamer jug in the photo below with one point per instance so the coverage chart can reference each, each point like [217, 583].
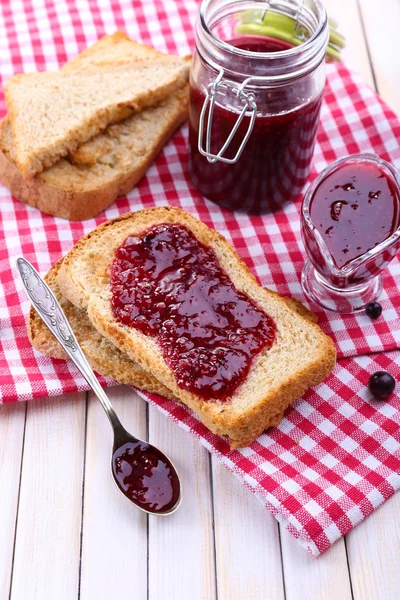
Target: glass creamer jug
[350, 225]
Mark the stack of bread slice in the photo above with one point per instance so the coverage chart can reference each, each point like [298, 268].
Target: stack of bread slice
[75, 140]
[301, 355]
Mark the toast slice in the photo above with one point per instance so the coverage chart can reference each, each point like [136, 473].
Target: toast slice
[51, 114]
[82, 185]
[114, 49]
[102, 169]
[301, 355]
[103, 356]
[110, 50]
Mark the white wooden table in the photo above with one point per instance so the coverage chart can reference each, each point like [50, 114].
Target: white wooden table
[66, 533]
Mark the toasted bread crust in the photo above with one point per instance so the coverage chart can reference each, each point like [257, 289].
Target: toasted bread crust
[303, 353]
[103, 356]
[117, 48]
[54, 192]
[87, 103]
[72, 202]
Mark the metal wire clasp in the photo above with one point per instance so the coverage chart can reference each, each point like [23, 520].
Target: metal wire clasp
[249, 104]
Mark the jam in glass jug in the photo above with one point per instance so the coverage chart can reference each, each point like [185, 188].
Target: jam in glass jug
[350, 225]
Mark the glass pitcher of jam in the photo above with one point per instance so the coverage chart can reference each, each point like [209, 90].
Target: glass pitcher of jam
[350, 225]
[255, 102]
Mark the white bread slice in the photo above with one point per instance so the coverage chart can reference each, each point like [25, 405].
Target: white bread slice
[52, 113]
[102, 169]
[109, 165]
[103, 356]
[113, 49]
[300, 357]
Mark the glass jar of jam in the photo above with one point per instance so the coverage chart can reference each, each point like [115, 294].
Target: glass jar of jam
[350, 225]
[255, 100]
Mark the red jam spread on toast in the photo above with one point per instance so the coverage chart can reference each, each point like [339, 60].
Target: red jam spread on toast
[168, 285]
[355, 208]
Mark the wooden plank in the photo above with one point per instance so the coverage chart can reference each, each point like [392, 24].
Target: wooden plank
[328, 577]
[46, 563]
[114, 534]
[355, 54]
[374, 549]
[12, 423]
[382, 24]
[181, 548]
[306, 578]
[373, 546]
[248, 555]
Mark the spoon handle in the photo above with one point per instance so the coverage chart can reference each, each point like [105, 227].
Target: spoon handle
[49, 310]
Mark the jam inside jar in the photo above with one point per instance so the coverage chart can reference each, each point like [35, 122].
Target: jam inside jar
[351, 231]
[254, 104]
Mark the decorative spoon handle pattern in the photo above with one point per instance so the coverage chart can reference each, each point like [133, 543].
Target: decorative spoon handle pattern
[46, 305]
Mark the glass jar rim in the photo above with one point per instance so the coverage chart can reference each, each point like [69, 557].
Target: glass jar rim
[354, 264]
[270, 56]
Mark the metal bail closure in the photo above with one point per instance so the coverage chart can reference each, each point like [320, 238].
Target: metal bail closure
[249, 104]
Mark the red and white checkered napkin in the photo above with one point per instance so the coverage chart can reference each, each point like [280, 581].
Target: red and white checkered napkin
[333, 459]
[335, 456]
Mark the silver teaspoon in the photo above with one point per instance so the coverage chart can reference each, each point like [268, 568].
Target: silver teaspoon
[141, 472]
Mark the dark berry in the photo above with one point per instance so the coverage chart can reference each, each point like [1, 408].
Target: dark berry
[373, 310]
[381, 385]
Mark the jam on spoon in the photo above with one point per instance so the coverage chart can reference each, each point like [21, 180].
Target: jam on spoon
[145, 476]
[142, 472]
